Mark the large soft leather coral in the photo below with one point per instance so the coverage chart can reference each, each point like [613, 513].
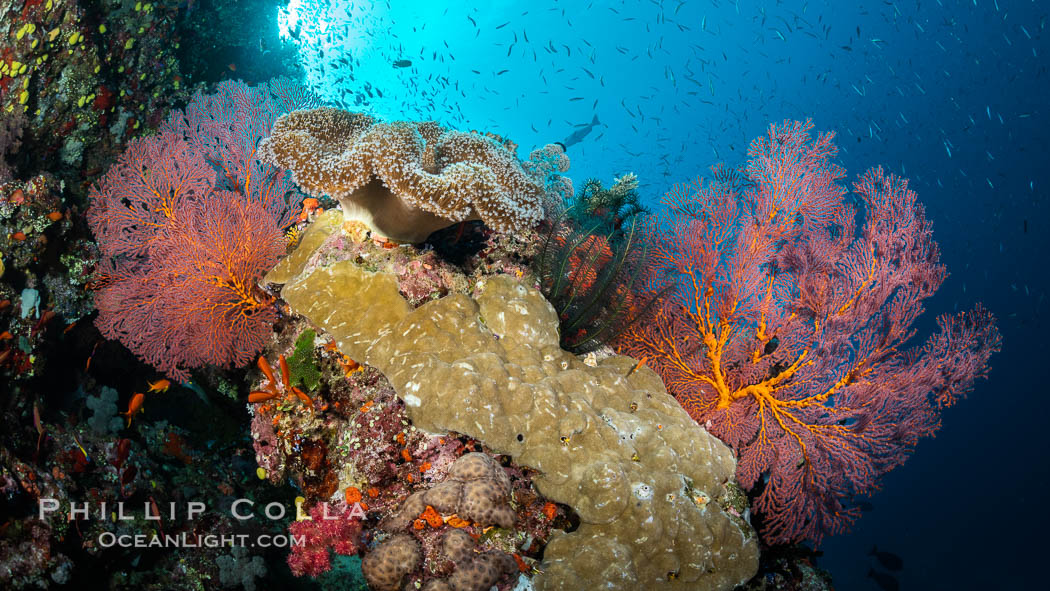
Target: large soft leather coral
[403, 179]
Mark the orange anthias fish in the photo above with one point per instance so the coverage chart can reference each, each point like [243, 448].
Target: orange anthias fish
[134, 406]
[159, 386]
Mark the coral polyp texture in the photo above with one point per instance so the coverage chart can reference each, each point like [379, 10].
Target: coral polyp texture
[474, 571]
[477, 491]
[405, 180]
[548, 163]
[607, 441]
[387, 566]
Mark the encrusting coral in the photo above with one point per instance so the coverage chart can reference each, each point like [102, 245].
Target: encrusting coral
[607, 440]
[404, 180]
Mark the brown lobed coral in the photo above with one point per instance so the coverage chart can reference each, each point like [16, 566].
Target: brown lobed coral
[404, 180]
[474, 572]
[476, 489]
[608, 440]
[386, 567]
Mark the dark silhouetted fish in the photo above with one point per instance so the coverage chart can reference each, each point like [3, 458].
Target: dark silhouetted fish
[578, 135]
[884, 580]
[888, 560]
[402, 63]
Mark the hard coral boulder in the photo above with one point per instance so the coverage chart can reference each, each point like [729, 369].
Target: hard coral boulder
[481, 573]
[403, 179]
[386, 567]
[477, 489]
[474, 496]
[607, 440]
[457, 546]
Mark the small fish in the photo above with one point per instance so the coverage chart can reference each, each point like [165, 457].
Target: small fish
[123, 449]
[155, 514]
[161, 385]
[39, 429]
[134, 406]
[36, 419]
[888, 560]
[81, 447]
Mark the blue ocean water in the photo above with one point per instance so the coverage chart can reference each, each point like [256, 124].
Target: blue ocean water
[949, 93]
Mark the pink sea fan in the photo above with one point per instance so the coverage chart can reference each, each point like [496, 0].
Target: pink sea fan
[787, 331]
[187, 221]
[179, 286]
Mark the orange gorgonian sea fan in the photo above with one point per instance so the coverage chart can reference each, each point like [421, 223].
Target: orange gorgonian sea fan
[187, 221]
[787, 332]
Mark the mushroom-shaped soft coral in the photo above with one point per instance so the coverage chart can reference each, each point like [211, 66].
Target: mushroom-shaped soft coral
[402, 179]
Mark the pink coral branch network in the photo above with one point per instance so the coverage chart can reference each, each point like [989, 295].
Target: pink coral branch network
[187, 221]
[787, 332]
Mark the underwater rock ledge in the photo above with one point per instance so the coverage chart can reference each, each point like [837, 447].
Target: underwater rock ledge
[608, 440]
